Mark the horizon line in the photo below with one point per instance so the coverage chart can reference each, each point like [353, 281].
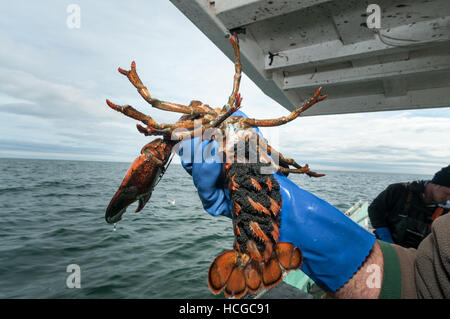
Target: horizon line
[175, 163]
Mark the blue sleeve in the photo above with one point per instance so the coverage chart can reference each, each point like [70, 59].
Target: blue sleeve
[384, 234]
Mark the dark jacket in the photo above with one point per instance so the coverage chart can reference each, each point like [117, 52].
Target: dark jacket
[401, 208]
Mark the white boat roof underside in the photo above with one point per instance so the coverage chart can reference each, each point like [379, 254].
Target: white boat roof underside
[403, 65]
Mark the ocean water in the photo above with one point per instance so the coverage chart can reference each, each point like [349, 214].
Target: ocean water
[52, 216]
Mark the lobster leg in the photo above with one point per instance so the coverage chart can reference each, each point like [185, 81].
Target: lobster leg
[303, 170]
[133, 113]
[195, 107]
[148, 131]
[223, 116]
[283, 160]
[237, 75]
[235, 99]
[294, 114]
[207, 124]
[162, 105]
[197, 131]
[264, 149]
[187, 124]
[153, 128]
[167, 129]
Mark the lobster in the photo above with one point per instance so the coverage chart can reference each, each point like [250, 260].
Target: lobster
[258, 260]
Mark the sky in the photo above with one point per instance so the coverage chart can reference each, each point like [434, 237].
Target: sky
[54, 81]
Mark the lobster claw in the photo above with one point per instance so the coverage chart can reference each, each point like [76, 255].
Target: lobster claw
[140, 179]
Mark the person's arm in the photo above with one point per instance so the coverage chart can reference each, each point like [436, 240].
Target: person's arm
[326, 237]
[338, 254]
[391, 272]
[432, 264]
[379, 210]
[365, 283]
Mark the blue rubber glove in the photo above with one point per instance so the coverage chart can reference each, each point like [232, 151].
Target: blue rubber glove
[207, 175]
[205, 166]
[333, 246]
[384, 234]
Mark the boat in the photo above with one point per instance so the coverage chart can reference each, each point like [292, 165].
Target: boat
[290, 48]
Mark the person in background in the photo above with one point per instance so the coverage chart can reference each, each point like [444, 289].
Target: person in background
[403, 212]
[340, 256]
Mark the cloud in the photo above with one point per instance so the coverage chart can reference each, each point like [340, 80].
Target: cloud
[54, 82]
[46, 99]
[383, 140]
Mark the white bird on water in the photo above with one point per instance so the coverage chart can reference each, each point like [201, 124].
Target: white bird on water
[171, 202]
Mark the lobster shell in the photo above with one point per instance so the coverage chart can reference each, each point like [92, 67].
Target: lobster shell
[140, 179]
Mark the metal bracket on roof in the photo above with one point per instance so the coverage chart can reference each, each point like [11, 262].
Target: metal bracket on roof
[238, 30]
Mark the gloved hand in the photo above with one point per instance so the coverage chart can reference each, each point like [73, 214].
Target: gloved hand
[201, 159]
[384, 234]
[207, 174]
[333, 246]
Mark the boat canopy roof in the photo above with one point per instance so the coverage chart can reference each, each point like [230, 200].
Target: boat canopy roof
[290, 48]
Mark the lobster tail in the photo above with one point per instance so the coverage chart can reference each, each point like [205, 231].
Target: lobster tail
[253, 278]
[258, 260]
[236, 286]
[237, 274]
[272, 273]
[290, 257]
[220, 271]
